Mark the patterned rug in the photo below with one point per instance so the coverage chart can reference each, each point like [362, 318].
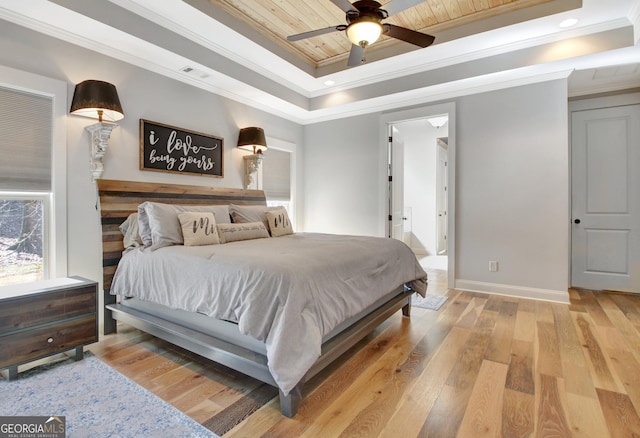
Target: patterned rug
[432, 302]
[96, 400]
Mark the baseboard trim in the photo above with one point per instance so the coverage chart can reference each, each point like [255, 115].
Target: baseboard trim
[556, 296]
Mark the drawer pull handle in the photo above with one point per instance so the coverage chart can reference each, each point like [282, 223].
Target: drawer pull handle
[50, 340]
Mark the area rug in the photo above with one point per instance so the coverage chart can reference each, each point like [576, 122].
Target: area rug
[96, 400]
[432, 302]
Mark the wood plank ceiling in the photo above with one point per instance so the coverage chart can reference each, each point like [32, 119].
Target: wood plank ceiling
[277, 19]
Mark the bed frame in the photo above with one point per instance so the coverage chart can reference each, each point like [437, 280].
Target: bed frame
[118, 199]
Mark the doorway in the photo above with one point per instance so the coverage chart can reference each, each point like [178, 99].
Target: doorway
[605, 229]
[421, 144]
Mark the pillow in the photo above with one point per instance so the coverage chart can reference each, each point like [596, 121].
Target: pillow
[242, 214]
[159, 223]
[234, 232]
[130, 230]
[279, 223]
[198, 228]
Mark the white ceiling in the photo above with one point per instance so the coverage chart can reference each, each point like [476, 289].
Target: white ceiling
[165, 36]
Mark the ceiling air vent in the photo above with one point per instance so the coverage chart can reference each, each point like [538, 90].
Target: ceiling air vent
[194, 72]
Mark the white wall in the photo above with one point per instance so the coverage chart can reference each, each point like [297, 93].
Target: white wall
[143, 95]
[511, 188]
[341, 163]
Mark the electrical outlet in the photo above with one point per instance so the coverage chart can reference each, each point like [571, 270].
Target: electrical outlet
[493, 266]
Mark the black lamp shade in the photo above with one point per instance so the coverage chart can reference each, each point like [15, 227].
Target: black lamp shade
[252, 139]
[96, 99]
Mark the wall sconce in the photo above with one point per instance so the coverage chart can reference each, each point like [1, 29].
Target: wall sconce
[252, 139]
[98, 100]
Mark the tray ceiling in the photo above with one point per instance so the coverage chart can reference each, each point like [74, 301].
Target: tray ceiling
[446, 19]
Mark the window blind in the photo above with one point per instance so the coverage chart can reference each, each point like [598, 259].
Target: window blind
[25, 141]
[276, 175]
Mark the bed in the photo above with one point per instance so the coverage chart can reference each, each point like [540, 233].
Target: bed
[279, 307]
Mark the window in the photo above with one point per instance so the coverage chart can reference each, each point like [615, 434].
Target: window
[23, 242]
[276, 178]
[32, 177]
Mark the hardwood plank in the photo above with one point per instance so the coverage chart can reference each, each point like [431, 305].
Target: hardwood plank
[575, 370]
[596, 359]
[520, 372]
[525, 328]
[518, 414]
[619, 413]
[447, 413]
[551, 411]
[627, 367]
[594, 309]
[548, 349]
[483, 415]
[499, 348]
[585, 417]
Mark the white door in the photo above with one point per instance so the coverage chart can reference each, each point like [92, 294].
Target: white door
[606, 199]
[442, 176]
[397, 185]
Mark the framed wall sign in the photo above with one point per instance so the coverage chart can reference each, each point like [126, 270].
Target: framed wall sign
[165, 148]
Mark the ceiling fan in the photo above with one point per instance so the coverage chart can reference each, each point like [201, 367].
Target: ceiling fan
[364, 26]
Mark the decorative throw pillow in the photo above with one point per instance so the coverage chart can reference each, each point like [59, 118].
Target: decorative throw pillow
[279, 223]
[234, 232]
[198, 228]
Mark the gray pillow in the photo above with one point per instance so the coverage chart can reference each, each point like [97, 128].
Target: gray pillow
[159, 224]
[242, 214]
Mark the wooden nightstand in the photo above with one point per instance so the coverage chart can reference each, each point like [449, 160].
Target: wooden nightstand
[45, 318]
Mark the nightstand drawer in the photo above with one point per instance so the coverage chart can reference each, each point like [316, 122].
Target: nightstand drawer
[26, 345]
[24, 312]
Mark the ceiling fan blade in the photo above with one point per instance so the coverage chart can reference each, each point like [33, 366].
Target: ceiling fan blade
[397, 6]
[356, 55]
[312, 33]
[408, 35]
[345, 5]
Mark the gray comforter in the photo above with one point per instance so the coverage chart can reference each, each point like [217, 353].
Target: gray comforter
[287, 291]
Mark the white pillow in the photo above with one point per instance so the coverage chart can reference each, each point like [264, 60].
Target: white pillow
[234, 232]
[159, 225]
[130, 231]
[279, 223]
[198, 228]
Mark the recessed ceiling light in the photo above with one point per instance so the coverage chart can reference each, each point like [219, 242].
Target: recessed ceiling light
[329, 82]
[569, 22]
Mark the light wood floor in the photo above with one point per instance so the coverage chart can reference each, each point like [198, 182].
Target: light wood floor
[481, 366]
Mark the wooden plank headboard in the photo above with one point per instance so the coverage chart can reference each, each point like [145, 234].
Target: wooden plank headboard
[118, 199]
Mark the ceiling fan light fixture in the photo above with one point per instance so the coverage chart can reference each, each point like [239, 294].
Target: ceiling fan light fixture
[364, 32]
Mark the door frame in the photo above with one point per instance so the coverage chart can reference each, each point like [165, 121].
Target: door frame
[585, 104]
[442, 151]
[391, 118]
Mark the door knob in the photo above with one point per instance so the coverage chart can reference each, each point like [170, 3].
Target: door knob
[577, 221]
